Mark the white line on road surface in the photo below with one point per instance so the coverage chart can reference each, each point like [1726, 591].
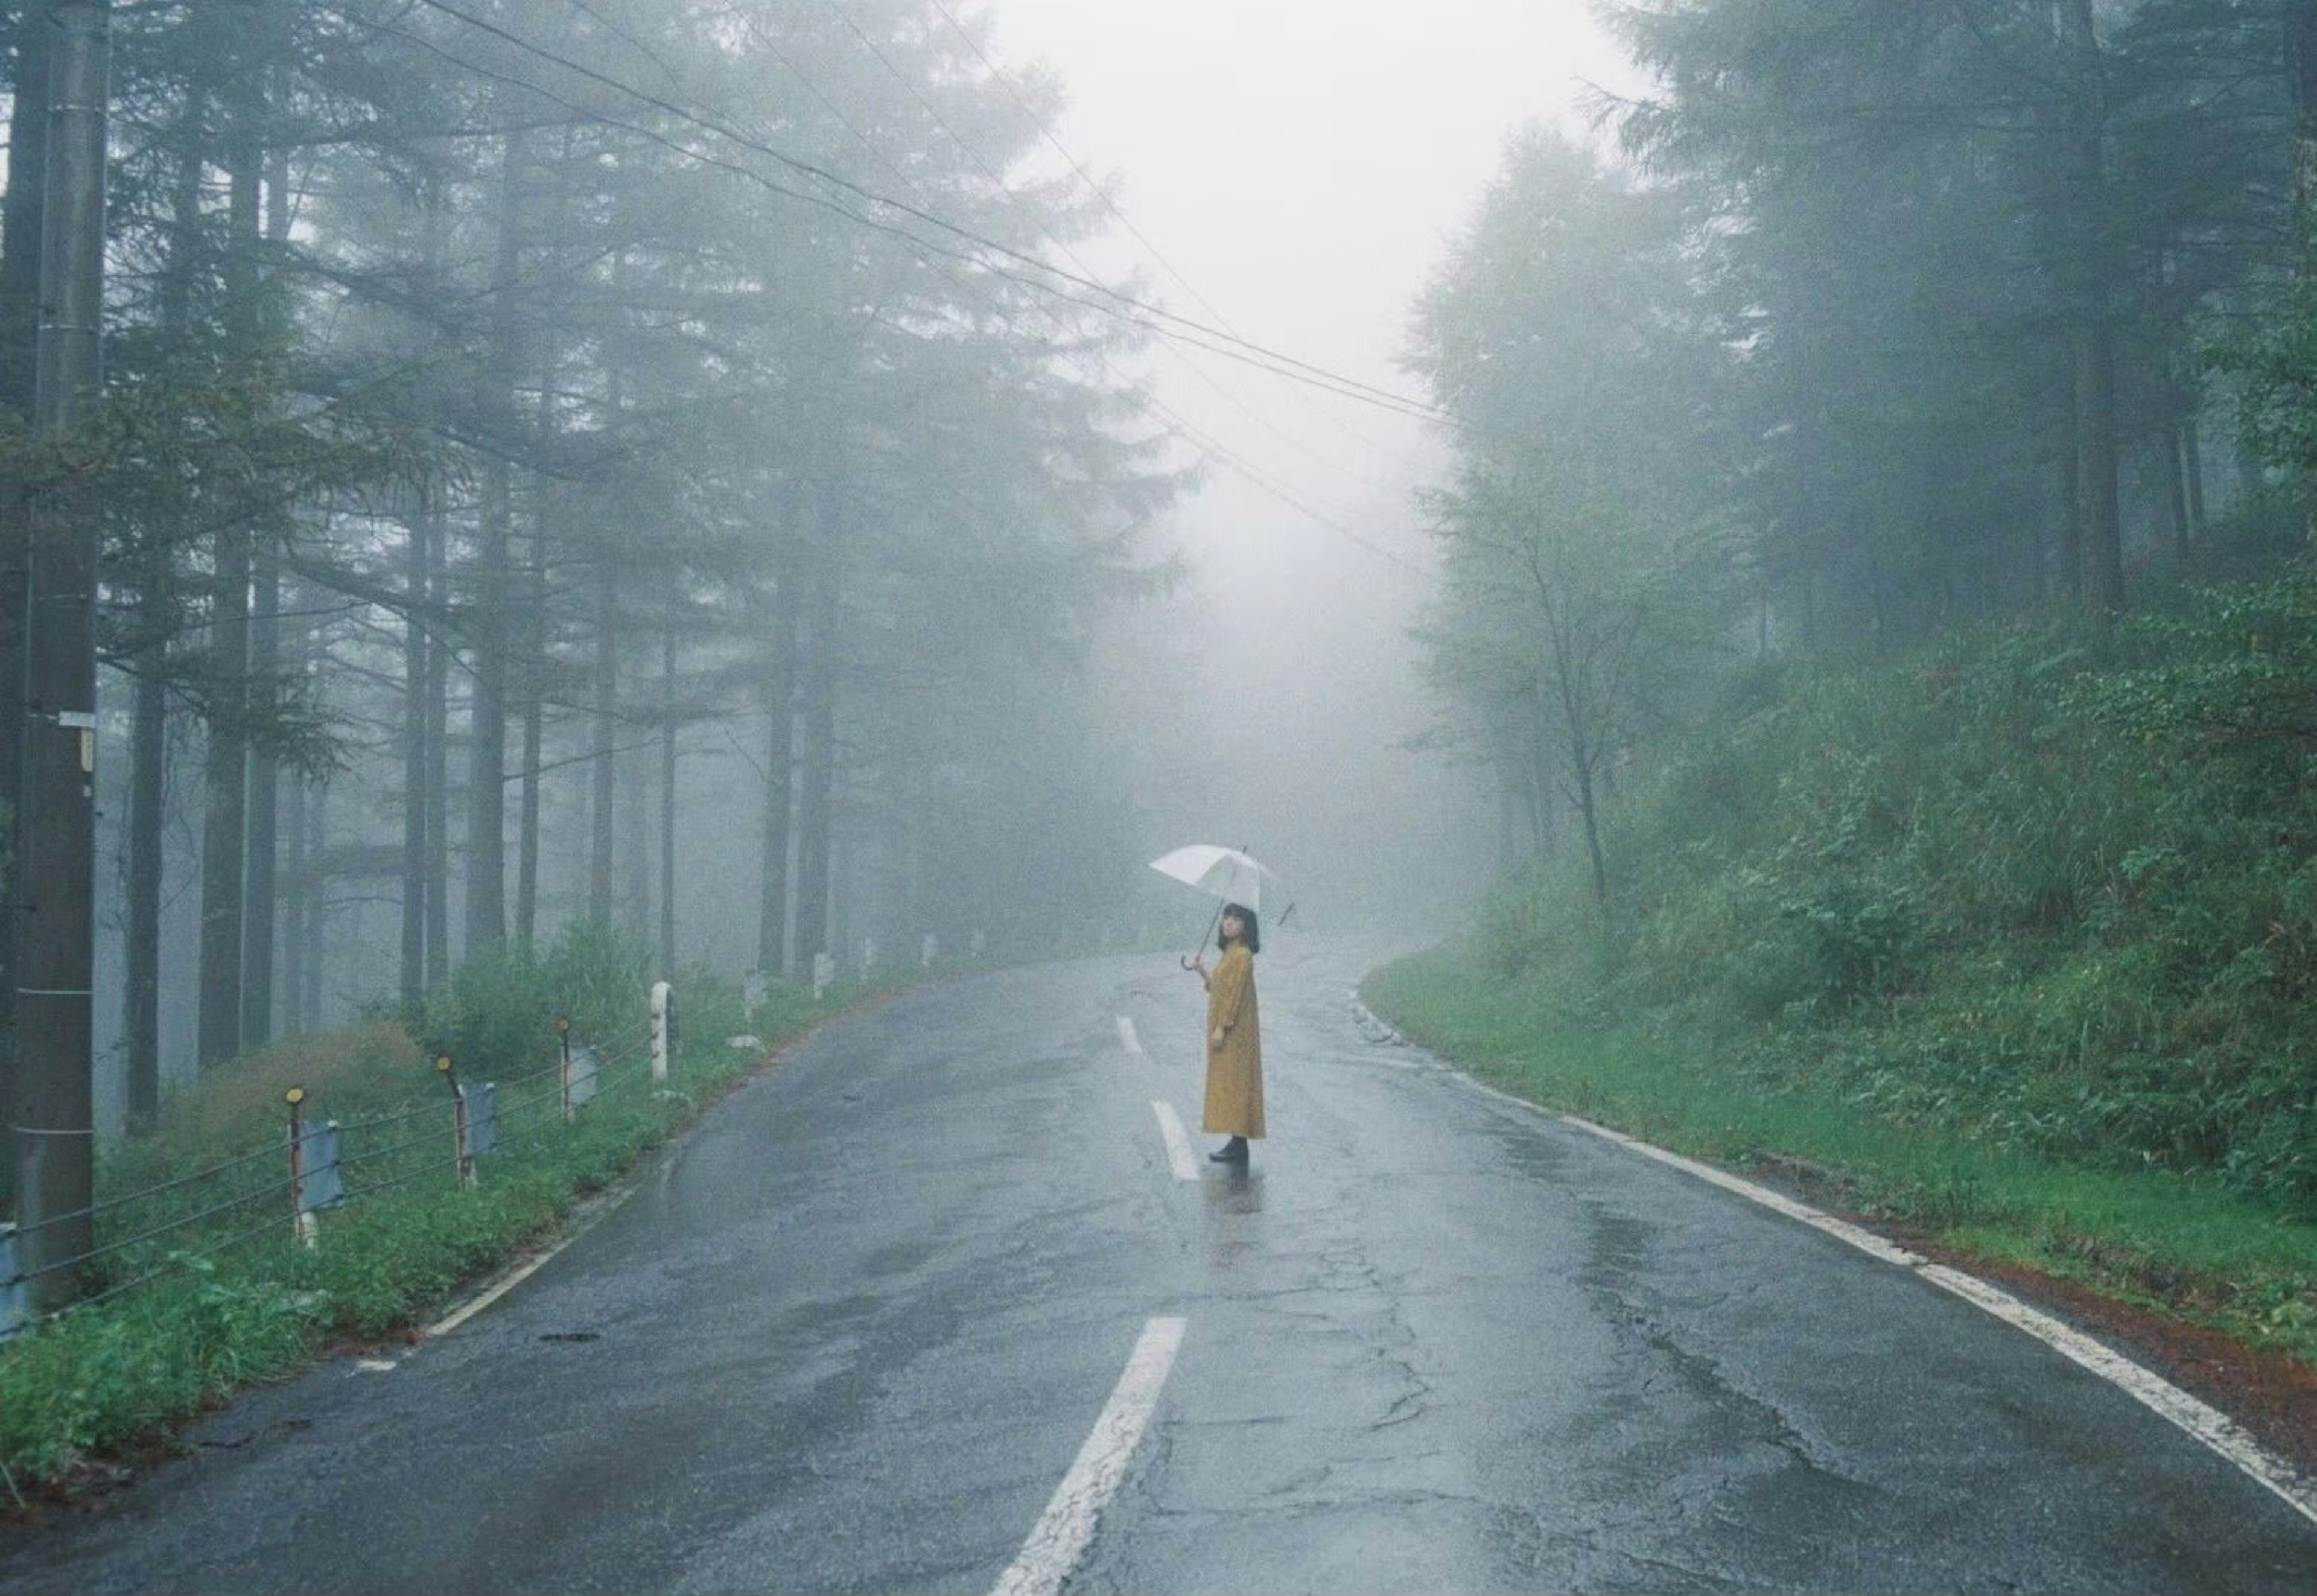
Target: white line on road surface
[1067, 1528]
[514, 1278]
[1177, 1140]
[1127, 1038]
[2206, 1423]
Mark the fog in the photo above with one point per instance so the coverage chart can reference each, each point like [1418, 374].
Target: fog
[1287, 172]
[727, 473]
[1300, 166]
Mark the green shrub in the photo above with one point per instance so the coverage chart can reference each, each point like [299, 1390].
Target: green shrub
[2061, 895]
[98, 1378]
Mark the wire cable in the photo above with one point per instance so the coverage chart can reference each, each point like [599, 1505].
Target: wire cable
[108, 1204]
[175, 1261]
[1286, 365]
[1030, 113]
[160, 1230]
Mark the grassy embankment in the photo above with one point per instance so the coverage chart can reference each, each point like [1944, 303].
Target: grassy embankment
[2001, 943]
[114, 1375]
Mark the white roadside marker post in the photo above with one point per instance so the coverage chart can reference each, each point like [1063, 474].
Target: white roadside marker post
[660, 995]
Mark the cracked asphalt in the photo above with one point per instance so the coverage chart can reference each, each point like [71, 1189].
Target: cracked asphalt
[850, 1334]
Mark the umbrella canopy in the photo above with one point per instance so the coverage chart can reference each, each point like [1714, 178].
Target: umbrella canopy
[1226, 873]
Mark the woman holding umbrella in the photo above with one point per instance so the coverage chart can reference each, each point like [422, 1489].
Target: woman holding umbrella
[1234, 1106]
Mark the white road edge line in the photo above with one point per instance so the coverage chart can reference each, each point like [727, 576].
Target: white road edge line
[1067, 1528]
[1127, 1038]
[2199, 1419]
[530, 1267]
[484, 1299]
[1177, 1140]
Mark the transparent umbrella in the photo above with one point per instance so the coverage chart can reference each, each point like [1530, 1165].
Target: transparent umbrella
[1229, 874]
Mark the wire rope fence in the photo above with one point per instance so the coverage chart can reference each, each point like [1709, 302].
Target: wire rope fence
[449, 1132]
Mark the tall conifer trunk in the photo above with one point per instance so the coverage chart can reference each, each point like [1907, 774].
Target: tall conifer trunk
[780, 754]
[438, 752]
[311, 1005]
[603, 768]
[489, 629]
[415, 751]
[157, 606]
[265, 653]
[816, 775]
[297, 906]
[667, 798]
[2098, 503]
[226, 813]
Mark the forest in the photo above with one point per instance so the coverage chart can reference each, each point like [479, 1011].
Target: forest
[481, 480]
[1877, 577]
[504, 403]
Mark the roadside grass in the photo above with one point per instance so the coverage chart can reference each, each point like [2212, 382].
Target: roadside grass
[2179, 1242]
[114, 1377]
[2008, 939]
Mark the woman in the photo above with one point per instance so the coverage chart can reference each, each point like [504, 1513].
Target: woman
[1234, 1044]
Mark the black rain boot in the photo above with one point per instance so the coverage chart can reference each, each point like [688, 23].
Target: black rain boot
[1233, 1151]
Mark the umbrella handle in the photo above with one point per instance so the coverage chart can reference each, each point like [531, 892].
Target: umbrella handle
[1212, 924]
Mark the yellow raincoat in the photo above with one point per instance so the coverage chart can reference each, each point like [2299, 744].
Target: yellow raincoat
[1234, 1105]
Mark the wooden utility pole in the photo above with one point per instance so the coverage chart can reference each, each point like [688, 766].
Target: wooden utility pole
[20, 321]
[54, 1119]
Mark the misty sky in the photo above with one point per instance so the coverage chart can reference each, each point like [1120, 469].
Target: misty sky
[1302, 163]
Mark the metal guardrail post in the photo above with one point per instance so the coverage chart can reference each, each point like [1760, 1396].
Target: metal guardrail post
[16, 1305]
[563, 1069]
[301, 1218]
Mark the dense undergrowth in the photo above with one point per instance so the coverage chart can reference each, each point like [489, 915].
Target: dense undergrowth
[118, 1373]
[2014, 930]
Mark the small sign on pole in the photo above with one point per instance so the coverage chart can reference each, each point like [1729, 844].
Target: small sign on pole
[314, 1179]
[482, 1119]
[579, 1081]
[13, 1307]
[325, 1185]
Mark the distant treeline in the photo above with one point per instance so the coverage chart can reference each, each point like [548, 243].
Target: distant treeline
[1889, 316]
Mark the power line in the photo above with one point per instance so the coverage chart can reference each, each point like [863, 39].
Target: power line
[1124, 220]
[836, 7]
[1183, 429]
[924, 247]
[1244, 349]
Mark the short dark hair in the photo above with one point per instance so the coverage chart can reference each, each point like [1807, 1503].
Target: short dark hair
[1254, 937]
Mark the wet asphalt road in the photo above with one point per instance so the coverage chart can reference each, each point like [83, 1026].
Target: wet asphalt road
[851, 1332]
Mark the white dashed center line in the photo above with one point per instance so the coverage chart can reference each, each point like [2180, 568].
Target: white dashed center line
[1177, 1140]
[1067, 1528]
